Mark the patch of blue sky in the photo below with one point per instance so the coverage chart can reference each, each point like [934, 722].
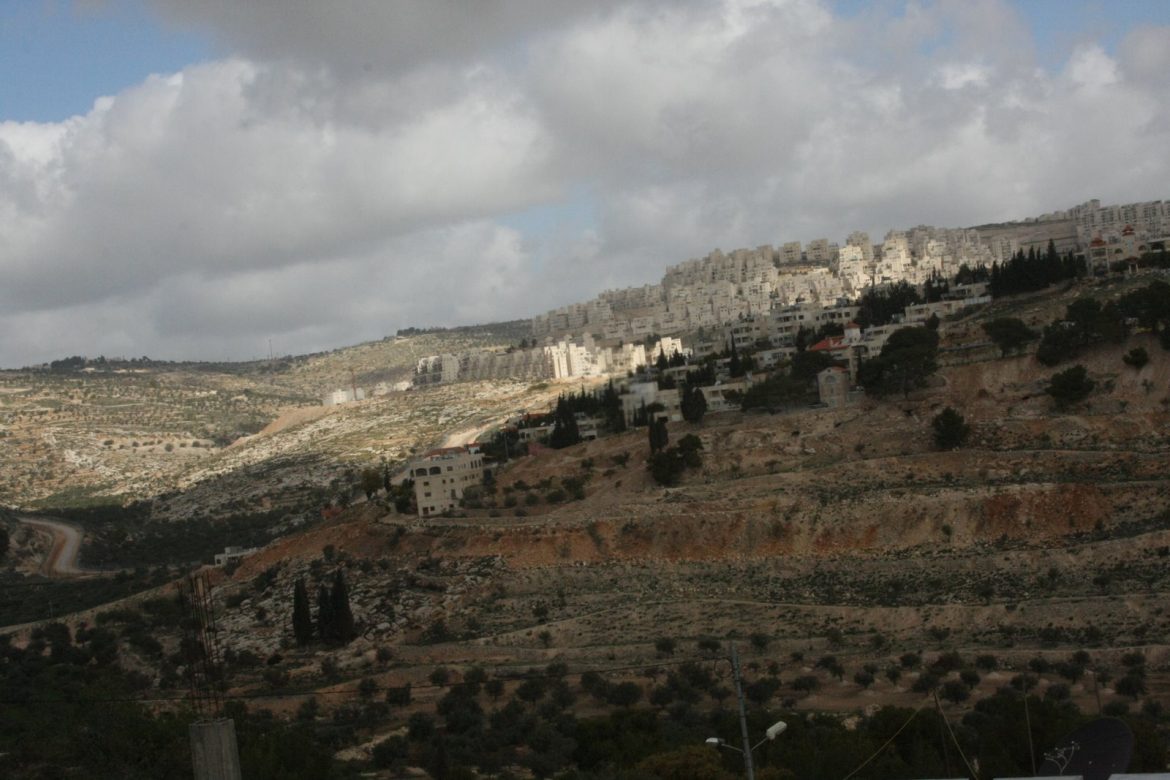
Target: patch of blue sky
[58, 56]
[1058, 27]
[574, 214]
[549, 227]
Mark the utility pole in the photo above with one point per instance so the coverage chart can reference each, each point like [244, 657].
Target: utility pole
[747, 745]
[215, 754]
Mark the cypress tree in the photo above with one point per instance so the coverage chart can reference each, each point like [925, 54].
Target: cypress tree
[343, 627]
[734, 366]
[611, 404]
[565, 432]
[325, 627]
[658, 435]
[302, 618]
[693, 403]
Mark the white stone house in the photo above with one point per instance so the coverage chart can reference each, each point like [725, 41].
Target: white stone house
[442, 476]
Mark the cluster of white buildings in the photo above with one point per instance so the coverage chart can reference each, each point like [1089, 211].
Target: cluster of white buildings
[751, 283]
[761, 298]
[1148, 220]
[723, 288]
[349, 395]
[565, 358]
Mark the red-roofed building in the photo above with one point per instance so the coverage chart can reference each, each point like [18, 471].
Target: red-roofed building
[844, 348]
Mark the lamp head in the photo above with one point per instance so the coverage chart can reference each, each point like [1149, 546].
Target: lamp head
[776, 729]
[715, 741]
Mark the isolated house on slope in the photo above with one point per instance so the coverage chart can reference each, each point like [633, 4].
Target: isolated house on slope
[442, 476]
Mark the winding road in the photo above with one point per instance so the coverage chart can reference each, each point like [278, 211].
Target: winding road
[62, 558]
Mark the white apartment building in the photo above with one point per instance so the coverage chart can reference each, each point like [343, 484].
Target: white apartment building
[442, 476]
[791, 254]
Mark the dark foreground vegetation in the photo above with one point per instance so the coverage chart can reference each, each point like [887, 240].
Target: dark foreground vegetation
[70, 710]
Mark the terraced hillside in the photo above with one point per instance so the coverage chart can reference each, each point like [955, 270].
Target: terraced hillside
[812, 535]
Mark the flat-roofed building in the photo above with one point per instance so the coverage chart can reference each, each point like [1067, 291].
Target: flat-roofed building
[442, 476]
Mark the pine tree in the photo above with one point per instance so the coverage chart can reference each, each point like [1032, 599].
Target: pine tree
[343, 627]
[302, 618]
[325, 621]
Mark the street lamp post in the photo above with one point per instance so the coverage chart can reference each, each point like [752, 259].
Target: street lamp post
[773, 731]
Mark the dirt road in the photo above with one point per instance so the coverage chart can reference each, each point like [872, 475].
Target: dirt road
[62, 558]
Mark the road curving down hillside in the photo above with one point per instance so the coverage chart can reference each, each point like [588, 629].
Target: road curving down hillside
[61, 560]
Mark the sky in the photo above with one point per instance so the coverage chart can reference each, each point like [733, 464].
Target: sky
[191, 180]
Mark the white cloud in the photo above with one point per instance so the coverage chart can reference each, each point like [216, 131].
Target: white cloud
[340, 175]
[1091, 67]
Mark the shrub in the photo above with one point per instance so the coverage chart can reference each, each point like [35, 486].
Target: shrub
[709, 645]
[398, 697]
[1009, 334]
[955, 691]
[947, 663]
[986, 662]
[664, 646]
[1136, 357]
[950, 429]
[1070, 386]
[806, 683]
[1040, 665]
[925, 683]
[1132, 685]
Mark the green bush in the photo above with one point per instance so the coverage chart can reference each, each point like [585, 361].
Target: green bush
[950, 429]
[1136, 357]
[1070, 386]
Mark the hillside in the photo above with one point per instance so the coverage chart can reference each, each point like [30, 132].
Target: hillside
[78, 438]
[853, 563]
[837, 532]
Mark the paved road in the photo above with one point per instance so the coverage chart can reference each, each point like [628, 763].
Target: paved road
[62, 558]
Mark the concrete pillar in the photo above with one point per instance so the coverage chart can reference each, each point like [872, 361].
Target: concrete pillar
[214, 752]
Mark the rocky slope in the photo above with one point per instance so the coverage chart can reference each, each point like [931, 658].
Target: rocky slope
[826, 532]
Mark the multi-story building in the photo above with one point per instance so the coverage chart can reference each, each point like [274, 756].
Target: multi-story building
[791, 254]
[442, 476]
